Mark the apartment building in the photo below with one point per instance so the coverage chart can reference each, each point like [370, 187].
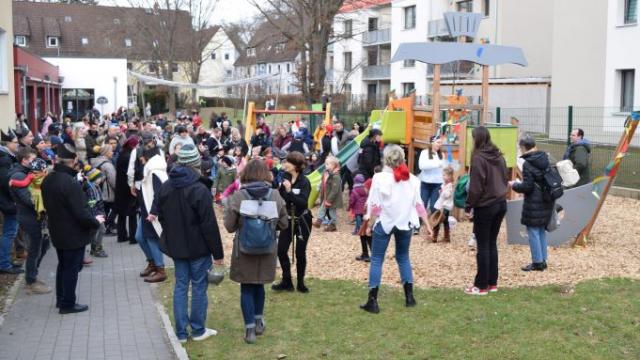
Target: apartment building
[7, 96]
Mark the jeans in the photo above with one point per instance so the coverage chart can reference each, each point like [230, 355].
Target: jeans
[328, 216]
[251, 303]
[537, 243]
[69, 265]
[486, 226]
[358, 224]
[379, 246]
[97, 236]
[194, 272]
[9, 232]
[38, 246]
[150, 245]
[429, 194]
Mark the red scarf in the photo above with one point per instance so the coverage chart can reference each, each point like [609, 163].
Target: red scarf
[401, 172]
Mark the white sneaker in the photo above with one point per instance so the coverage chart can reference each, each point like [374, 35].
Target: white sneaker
[472, 241]
[207, 333]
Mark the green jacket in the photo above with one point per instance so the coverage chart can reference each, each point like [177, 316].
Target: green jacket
[224, 178]
[332, 191]
[580, 156]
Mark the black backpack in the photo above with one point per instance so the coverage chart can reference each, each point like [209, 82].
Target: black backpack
[552, 184]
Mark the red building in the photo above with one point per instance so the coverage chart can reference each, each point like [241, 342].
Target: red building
[37, 86]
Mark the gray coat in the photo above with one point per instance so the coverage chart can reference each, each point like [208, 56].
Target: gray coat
[109, 171]
[252, 269]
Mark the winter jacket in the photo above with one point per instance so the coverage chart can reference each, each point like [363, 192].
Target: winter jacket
[298, 198]
[70, 222]
[488, 179]
[358, 200]
[109, 171]
[185, 211]
[90, 142]
[21, 195]
[445, 199]
[224, 178]
[339, 141]
[280, 141]
[331, 190]
[325, 148]
[7, 161]
[80, 145]
[536, 212]
[580, 155]
[369, 157]
[252, 269]
[124, 201]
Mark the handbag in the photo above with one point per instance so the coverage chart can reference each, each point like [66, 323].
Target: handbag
[554, 220]
[568, 174]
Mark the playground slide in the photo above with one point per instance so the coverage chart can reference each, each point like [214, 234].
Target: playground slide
[392, 124]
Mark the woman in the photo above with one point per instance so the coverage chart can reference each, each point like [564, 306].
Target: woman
[431, 164]
[487, 197]
[79, 135]
[236, 140]
[282, 138]
[295, 190]
[125, 202]
[370, 156]
[536, 212]
[104, 163]
[253, 271]
[393, 208]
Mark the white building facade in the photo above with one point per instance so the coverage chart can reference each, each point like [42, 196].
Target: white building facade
[220, 54]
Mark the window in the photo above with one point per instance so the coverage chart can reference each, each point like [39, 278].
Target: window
[486, 7]
[251, 52]
[465, 5]
[174, 67]
[4, 81]
[278, 68]
[84, 41]
[129, 66]
[410, 17]
[116, 21]
[229, 90]
[213, 55]
[155, 43]
[153, 68]
[407, 88]
[373, 24]
[348, 28]
[52, 41]
[347, 89]
[127, 42]
[409, 63]
[347, 61]
[269, 69]
[67, 19]
[288, 67]
[372, 57]
[280, 47]
[21, 40]
[627, 78]
[226, 56]
[630, 11]
[229, 72]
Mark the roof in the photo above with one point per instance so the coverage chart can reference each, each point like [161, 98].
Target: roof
[104, 27]
[270, 44]
[446, 52]
[355, 5]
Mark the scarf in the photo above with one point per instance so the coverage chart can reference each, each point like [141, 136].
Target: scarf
[401, 172]
[36, 194]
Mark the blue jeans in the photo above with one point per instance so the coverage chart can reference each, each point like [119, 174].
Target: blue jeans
[150, 245]
[251, 303]
[9, 232]
[537, 243]
[331, 212]
[429, 194]
[379, 246]
[37, 248]
[194, 272]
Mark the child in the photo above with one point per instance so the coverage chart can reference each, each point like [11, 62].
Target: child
[444, 204]
[93, 179]
[241, 161]
[357, 200]
[330, 195]
[226, 176]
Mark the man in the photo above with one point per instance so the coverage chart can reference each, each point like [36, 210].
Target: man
[25, 190]
[260, 124]
[181, 137]
[25, 138]
[180, 203]
[8, 150]
[579, 152]
[161, 122]
[91, 140]
[70, 226]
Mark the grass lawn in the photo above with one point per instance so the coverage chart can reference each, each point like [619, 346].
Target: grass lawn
[600, 320]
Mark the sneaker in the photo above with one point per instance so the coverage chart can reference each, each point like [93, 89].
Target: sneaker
[472, 290]
[250, 335]
[330, 228]
[98, 253]
[493, 288]
[260, 327]
[472, 241]
[207, 334]
[37, 289]
[87, 260]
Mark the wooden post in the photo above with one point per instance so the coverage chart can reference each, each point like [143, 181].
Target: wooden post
[485, 94]
[436, 95]
[581, 239]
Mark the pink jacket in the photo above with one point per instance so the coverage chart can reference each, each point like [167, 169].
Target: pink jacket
[357, 200]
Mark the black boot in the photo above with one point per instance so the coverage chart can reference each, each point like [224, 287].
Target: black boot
[534, 267]
[410, 301]
[284, 285]
[372, 302]
[301, 287]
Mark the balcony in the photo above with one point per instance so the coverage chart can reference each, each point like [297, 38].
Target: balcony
[376, 72]
[459, 70]
[437, 28]
[376, 37]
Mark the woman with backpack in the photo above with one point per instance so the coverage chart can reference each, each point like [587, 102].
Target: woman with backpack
[536, 210]
[253, 262]
[487, 197]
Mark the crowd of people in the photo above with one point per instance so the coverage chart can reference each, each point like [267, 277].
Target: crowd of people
[153, 182]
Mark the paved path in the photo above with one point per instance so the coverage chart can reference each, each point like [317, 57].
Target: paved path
[122, 322]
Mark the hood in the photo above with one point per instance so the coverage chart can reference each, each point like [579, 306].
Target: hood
[584, 142]
[257, 189]
[490, 155]
[182, 176]
[368, 142]
[539, 159]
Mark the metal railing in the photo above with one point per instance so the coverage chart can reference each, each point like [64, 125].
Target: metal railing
[381, 36]
[376, 72]
[437, 28]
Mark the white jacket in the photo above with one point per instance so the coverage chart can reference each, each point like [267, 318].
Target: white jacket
[445, 200]
[155, 166]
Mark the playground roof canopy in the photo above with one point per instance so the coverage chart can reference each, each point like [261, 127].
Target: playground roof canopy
[446, 52]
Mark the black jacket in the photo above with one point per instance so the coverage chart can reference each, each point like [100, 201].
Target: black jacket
[124, 201]
[535, 211]
[185, 211]
[299, 201]
[22, 195]
[70, 220]
[369, 158]
[7, 161]
[326, 148]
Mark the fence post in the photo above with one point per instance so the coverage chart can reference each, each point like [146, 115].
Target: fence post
[569, 124]
[498, 115]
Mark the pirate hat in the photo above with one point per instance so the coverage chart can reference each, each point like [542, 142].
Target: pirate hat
[8, 136]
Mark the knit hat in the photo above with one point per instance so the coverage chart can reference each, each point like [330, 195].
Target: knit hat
[358, 179]
[37, 139]
[92, 174]
[228, 160]
[66, 151]
[131, 143]
[146, 137]
[189, 156]
[37, 165]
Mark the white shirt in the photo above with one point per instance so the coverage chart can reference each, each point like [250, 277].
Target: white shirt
[394, 203]
[430, 169]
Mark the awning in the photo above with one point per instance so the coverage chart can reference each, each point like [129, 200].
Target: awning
[150, 80]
